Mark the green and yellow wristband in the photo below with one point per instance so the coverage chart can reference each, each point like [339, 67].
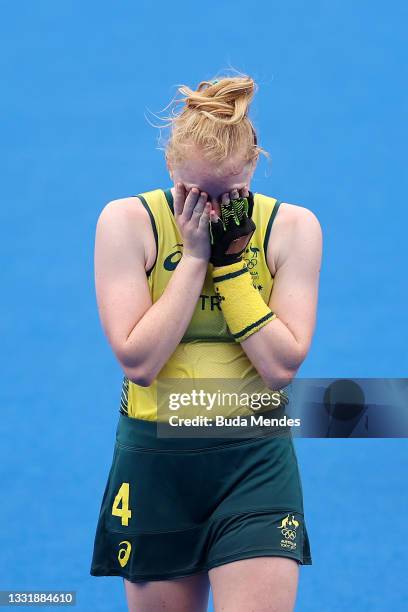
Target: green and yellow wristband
[241, 303]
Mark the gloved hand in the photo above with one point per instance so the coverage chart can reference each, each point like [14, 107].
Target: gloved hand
[231, 233]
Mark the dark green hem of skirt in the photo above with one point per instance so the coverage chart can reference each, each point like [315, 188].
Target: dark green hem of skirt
[250, 554]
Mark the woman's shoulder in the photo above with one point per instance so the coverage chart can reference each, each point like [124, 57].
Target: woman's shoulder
[128, 211]
[128, 215]
[140, 208]
[292, 223]
[130, 207]
[286, 215]
[294, 213]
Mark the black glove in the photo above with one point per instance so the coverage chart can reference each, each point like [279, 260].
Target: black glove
[235, 223]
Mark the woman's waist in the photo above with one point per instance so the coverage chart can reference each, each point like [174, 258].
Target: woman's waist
[207, 359]
[203, 378]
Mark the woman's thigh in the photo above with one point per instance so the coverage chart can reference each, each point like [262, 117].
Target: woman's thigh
[260, 584]
[189, 594]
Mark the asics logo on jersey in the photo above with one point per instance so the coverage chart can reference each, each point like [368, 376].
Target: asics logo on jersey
[171, 261]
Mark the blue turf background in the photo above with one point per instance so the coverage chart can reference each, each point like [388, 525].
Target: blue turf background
[77, 78]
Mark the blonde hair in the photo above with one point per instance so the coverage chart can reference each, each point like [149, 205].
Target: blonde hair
[214, 119]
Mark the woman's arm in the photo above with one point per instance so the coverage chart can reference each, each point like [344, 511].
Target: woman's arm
[142, 335]
[278, 349]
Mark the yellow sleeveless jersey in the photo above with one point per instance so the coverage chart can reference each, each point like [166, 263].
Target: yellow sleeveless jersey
[207, 349]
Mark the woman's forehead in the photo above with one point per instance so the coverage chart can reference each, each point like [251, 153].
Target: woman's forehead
[215, 181]
[214, 189]
[194, 175]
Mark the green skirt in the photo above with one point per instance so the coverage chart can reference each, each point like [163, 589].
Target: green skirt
[177, 507]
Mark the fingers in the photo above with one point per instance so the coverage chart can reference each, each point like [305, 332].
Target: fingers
[193, 209]
[213, 216]
[225, 198]
[205, 218]
[199, 208]
[189, 205]
[229, 211]
[235, 194]
[193, 198]
[186, 203]
[180, 196]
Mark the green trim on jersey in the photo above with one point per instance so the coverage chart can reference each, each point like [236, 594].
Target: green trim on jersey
[269, 226]
[153, 222]
[169, 198]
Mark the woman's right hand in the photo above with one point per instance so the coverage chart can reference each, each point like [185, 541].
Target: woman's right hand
[192, 215]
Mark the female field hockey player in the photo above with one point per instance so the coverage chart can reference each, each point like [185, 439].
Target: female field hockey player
[205, 280]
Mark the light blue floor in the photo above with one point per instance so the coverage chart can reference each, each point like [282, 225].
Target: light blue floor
[77, 79]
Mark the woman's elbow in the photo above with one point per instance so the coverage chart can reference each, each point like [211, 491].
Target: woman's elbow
[139, 376]
[277, 380]
[284, 374]
[136, 368]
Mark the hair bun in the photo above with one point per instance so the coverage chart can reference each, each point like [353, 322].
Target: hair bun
[226, 99]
